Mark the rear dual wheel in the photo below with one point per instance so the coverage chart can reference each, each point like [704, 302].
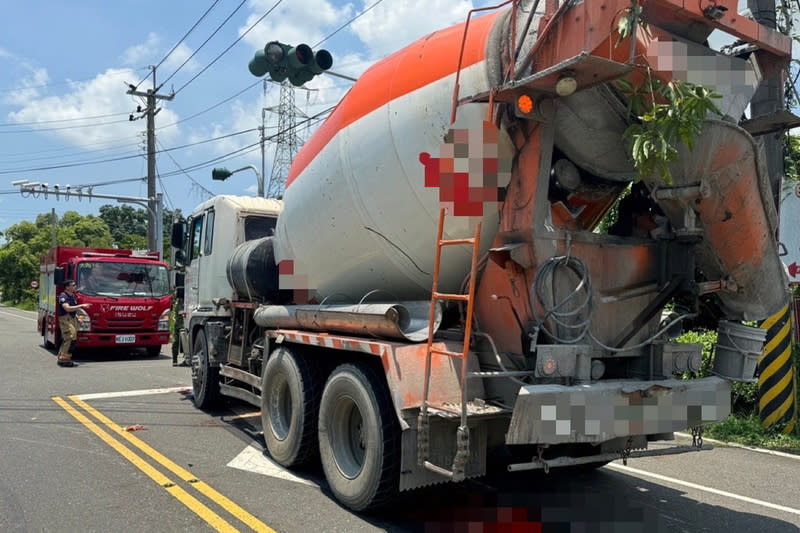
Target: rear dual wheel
[359, 437]
[291, 386]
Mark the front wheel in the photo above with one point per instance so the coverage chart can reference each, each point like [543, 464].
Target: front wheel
[359, 437]
[154, 351]
[205, 378]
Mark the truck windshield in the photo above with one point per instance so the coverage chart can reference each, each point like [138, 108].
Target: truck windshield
[117, 279]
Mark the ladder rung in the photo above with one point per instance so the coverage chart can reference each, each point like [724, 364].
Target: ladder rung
[450, 296]
[499, 374]
[437, 409]
[451, 242]
[438, 469]
[448, 353]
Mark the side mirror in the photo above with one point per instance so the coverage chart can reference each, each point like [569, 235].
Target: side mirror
[179, 280]
[180, 258]
[178, 234]
[58, 276]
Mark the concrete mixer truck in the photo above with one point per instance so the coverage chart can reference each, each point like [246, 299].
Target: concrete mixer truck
[433, 293]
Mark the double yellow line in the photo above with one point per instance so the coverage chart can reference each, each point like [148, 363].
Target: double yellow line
[198, 507]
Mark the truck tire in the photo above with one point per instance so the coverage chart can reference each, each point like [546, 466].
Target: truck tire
[359, 437]
[205, 378]
[154, 351]
[291, 389]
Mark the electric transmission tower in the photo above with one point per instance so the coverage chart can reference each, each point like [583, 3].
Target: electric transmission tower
[287, 142]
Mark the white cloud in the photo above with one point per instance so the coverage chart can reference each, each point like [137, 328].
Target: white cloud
[31, 80]
[178, 56]
[152, 50]
[142, 54]
[103, 95]
[28, 88]
[393, 25]
[299, 21]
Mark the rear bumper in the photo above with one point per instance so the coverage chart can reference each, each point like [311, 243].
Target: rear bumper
[594, 413]
[116, 340]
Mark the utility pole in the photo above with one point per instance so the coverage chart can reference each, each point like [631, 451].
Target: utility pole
[263, 131]
[768, 100]
[150, 112]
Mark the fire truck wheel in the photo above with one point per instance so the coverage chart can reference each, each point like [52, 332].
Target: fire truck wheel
[154, 351]
[205, 378]
[359, 437]
[291, 388]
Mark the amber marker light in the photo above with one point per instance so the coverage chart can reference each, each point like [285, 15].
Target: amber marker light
[525, 104]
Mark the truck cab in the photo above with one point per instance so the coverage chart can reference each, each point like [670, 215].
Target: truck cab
[129, 292]
[207, 240]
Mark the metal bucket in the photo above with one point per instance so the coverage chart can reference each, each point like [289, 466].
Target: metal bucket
[737, 351]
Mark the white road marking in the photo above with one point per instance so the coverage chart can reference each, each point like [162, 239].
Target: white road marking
[745, 447]
[644, 473]
[253, 460]
[121, 394]
[18, 316]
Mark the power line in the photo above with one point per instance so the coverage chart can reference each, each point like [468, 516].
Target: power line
[32, 123]
[121, 158]
[179, 42]
[212, 107]
[225, 157]
[276, 4]
[113, 144]
[91, 125]
[347, 23]
[25, 156]
[43, 85]
[202, 45]
[184, 172]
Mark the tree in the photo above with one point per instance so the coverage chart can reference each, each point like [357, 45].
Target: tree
[124, 222]
[27, 241]
[18, 266]
[129, 226]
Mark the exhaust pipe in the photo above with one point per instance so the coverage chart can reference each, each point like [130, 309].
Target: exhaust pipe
[405, 321]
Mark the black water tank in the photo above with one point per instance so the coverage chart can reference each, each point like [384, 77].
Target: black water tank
[252, 272]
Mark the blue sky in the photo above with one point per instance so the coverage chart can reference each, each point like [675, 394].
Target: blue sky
[67, 65]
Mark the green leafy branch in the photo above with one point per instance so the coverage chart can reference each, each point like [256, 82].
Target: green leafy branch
[661, 125]
[627, 24]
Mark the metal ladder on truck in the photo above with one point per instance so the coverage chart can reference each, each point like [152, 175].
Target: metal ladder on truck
[457, 470]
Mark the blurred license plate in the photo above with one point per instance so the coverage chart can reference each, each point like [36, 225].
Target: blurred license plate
[125, 339]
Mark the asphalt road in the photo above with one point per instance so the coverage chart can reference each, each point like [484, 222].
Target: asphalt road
[115, 444]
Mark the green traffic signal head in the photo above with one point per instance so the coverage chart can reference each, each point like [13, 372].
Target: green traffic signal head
[258, 65]
[300, 76]
[275, 53]
[323, 60]
[297, 63]
[300, 56]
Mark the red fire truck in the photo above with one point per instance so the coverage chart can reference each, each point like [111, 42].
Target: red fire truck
[129, 293]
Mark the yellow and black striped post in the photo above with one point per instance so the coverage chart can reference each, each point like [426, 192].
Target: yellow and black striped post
[777, 393]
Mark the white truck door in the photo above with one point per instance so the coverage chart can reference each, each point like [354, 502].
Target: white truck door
[193, 270]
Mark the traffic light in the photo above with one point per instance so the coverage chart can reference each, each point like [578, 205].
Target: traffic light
[297, 63]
